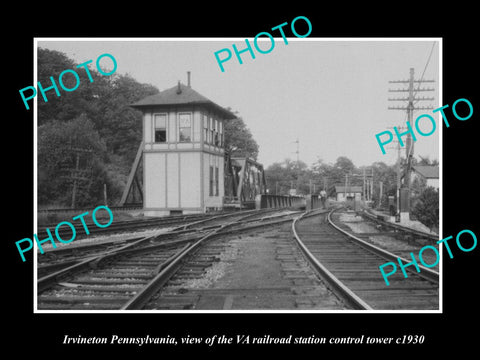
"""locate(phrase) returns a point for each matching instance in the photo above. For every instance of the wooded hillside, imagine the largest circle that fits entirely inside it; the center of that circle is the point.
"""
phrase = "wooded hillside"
(91, 135)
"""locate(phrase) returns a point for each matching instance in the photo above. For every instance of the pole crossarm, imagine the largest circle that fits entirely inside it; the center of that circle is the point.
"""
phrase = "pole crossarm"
(414, 99)
(408, 81)
(407, 108)
(408, 90)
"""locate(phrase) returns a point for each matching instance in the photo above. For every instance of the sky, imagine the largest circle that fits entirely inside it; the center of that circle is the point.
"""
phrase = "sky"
(330, 94)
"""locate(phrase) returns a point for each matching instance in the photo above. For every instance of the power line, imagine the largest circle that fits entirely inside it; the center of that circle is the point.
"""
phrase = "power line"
(425, 68)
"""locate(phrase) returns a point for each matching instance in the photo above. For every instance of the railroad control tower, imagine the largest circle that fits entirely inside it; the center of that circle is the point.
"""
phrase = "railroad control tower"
(183, 152)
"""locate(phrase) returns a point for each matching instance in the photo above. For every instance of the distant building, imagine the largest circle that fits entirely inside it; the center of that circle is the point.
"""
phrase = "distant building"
(429, 173)
(351, 192)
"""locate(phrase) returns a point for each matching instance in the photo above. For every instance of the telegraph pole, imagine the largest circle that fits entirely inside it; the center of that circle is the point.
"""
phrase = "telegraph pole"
(79, 177)
(398, 169)
(399, 176)
(298, 164)
(410, 107)
(364, 188)
(298, 150)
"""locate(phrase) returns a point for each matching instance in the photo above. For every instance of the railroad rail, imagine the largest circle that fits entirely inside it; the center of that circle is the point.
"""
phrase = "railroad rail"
(128, 225)
(127, 276)
(430, 236)
(55, 259)
(81, 210)
(157, 271)
(253, 267)
(350, 265)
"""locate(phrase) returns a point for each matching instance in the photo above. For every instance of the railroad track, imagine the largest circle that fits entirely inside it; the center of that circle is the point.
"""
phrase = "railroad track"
(128, 276)
(250, 267)
(350, 266)
(126, 225)
(430, 237)
(178, 270)
(61, 257)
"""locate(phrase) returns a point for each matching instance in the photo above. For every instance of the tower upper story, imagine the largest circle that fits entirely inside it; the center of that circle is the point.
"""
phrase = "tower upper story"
(181, 119)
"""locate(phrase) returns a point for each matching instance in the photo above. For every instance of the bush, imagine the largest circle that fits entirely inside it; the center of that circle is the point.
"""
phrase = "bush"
(426, 208)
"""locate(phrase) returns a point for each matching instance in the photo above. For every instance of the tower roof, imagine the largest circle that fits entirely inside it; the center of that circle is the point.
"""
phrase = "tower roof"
(181, 95)
(427, 171)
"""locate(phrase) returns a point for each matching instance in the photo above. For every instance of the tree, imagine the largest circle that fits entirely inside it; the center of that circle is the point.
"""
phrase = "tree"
(426, 208)
(344, 165)
(334, 174)
(281, 177)
(51, 63)
(324, 174)
(239, 140)
(388, 176)
(58, 146)
(98, 111)
(118, 123)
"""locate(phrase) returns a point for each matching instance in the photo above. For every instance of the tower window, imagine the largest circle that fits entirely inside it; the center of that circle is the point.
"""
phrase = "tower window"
(185, 127)
(212, 182)
(220, 133)
(161, 128)
(210, 136)
(215, 132)
(205, 129)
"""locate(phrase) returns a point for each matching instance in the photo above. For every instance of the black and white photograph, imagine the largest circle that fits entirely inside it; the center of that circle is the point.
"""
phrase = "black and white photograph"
(219, 182)
(277, 195)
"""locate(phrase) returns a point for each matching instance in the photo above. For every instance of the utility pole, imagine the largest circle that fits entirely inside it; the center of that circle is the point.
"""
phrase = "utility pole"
(298, 164)
(105, 194)
(298, 150)
(380, 184)
(410, 107)
(398, 168)
(364, 188)
(371, 187)
(399, 175)
(77, 175)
